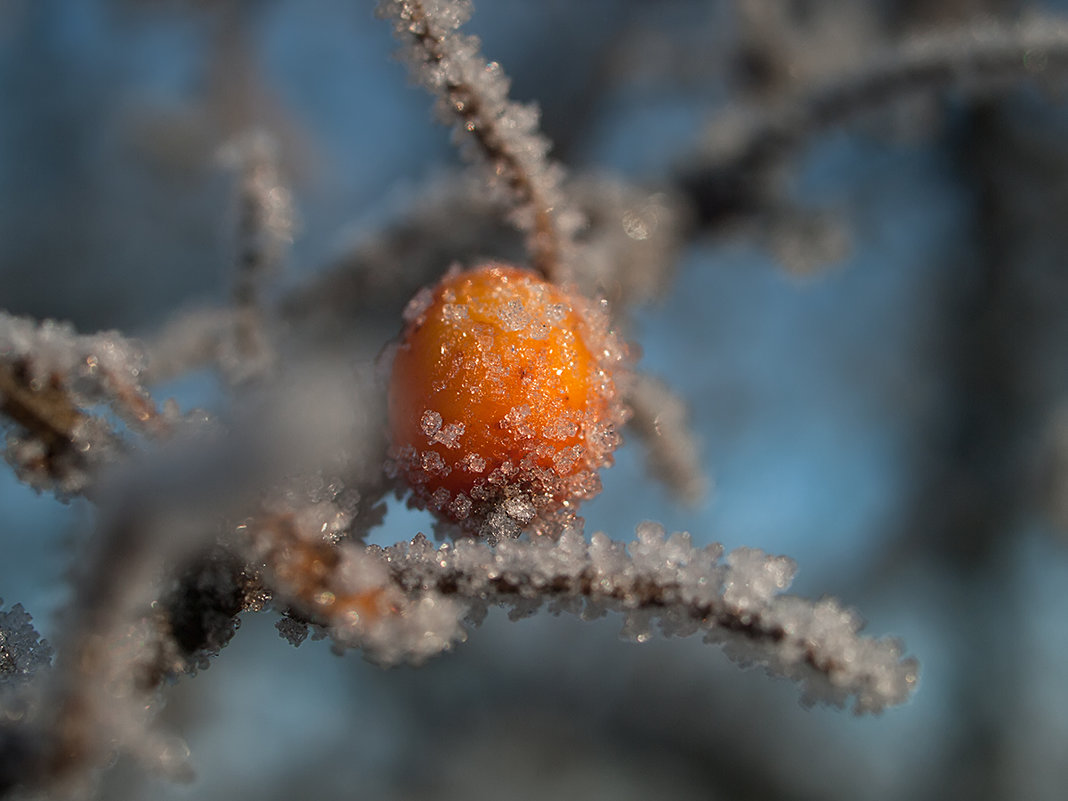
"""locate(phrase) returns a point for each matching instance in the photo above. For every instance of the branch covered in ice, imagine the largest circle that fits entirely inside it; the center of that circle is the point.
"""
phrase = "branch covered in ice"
(50, 379)
(630, 241)
(473, 94)
(406, 602)
(264, 232)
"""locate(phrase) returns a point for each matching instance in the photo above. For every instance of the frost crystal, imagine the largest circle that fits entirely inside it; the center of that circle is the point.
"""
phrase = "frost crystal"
(22, 650)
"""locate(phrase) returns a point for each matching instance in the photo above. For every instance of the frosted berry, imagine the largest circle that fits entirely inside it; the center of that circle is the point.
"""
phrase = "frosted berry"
(502, 398)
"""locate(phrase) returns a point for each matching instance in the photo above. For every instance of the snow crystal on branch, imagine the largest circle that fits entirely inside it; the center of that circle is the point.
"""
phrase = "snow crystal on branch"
(265, 213)
(264, 232)
(736, 601)
(408, 602)
(473, 94)
(49, 377)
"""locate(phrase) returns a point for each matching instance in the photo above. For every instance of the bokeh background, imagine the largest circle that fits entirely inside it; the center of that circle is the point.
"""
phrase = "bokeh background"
(895, 418)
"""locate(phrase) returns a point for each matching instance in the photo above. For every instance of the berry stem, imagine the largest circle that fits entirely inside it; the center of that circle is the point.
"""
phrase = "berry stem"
(473, 93)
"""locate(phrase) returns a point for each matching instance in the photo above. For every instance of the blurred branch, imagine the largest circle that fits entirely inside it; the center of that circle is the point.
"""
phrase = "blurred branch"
(734, 172)
(264, 232)
(660, 420)
(686, 589)
(629, 244)
(49, 378)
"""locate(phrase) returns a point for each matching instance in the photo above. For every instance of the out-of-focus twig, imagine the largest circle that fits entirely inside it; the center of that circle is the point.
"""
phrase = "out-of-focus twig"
(50, 381)
(264, 232)
(660, 420)
(734, 171)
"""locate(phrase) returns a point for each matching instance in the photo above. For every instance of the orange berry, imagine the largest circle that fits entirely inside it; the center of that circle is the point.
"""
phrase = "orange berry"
(502, 396)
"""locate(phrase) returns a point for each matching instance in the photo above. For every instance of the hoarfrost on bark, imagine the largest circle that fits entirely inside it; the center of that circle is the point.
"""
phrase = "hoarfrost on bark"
(736, 601)
(265, 226)
(488, 127)
(51, 382)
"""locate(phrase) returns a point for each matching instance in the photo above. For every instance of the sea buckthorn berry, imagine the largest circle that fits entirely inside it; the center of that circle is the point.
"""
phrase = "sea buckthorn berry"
(502, 399)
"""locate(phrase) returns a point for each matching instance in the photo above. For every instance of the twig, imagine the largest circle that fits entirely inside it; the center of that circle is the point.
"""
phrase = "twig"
(473, 94)
(264, 232)
(688, 590)
(49, 378)
(405, 603)
(659, 418)
(732, 171)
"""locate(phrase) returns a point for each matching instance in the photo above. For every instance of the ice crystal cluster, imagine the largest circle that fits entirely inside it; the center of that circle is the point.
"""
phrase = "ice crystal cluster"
(22, 651)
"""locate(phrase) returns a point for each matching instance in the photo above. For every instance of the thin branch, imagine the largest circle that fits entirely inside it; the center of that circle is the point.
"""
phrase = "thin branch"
(50, 378)
(364, 287)
(406, 602)
(687, 589)
(191, 339)
(264, 232)
(660, 419)
(629, 248)
(742, 150)
(237, 339)
(474, 95)
(127, 628)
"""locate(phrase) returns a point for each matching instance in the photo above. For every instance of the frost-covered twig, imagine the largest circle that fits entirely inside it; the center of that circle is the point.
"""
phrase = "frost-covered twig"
(659, 418)
(50, 379)
(191, 339)
(628, 249)
(237, 339)
(686, 589)
(406, 602)
(732, 171)
(128, 627)
(265, 221)
(349, 592)
(157, 594)
(103, 690)
(473, 93)
(374, 273)
(630, 241)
